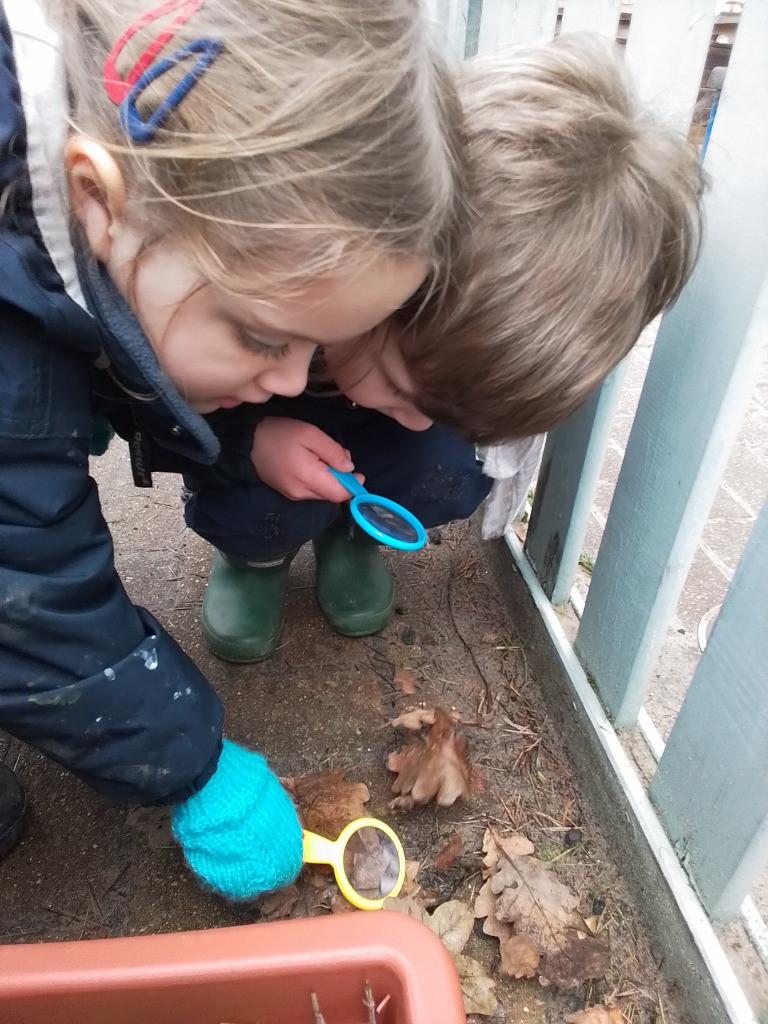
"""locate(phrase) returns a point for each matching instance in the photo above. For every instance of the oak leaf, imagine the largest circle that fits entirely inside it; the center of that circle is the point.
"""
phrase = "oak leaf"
(415, 719)
(433, 768)
(530, 896)
(519, 956)
(327, 802)
(533, 914)
(497, 847)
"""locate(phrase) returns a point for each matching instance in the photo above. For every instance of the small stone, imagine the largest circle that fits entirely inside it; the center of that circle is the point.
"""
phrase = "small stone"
(409, 637)
(435, 536)
(572, 838)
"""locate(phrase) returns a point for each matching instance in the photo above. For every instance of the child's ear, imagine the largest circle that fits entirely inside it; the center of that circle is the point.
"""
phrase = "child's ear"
(96, 191)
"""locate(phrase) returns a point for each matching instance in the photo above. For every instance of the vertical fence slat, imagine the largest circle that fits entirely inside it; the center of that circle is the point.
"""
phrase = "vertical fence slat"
(711, 785)
(575, 452)
(451, 17)
(516, 21)
(568, 478)
(666, 51)
(695, 395)
(601, 16)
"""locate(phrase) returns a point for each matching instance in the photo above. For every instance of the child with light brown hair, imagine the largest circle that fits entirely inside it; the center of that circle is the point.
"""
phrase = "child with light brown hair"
(584, 224)
(194, 196)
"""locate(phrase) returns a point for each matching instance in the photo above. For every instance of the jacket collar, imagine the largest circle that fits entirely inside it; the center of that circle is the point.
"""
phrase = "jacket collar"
(132, 357)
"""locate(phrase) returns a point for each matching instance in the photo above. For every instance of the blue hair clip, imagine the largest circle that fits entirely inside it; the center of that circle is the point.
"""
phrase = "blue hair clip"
(139, 130)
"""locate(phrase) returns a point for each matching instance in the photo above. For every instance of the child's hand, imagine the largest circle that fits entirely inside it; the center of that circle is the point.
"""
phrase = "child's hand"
(240, 834)
(293, 457)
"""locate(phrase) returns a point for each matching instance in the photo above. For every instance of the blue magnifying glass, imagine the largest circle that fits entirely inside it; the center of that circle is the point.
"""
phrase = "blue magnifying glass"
(385, 520)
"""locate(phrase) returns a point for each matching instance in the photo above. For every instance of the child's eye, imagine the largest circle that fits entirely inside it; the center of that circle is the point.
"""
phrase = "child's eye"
(395, 390)
(254, 344)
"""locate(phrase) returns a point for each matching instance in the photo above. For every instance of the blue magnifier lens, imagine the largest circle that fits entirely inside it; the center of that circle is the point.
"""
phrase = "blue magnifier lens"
(387, 521)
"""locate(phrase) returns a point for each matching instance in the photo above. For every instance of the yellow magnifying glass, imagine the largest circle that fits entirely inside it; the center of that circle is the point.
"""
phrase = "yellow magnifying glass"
(367, 860)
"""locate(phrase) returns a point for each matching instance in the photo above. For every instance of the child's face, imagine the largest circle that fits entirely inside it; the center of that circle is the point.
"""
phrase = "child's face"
(372, 372)
(220, 349)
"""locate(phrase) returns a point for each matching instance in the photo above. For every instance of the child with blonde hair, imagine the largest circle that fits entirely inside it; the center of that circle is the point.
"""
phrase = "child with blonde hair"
(193, 197)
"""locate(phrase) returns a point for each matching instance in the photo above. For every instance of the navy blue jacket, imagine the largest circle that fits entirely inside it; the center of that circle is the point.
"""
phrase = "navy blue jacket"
(85, 676)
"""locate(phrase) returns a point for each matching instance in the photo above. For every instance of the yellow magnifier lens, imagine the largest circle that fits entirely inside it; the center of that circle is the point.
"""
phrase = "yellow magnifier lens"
(367, 859)
(372, 863)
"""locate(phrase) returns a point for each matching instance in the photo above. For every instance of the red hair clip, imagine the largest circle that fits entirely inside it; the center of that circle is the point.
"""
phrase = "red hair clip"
(118, 88)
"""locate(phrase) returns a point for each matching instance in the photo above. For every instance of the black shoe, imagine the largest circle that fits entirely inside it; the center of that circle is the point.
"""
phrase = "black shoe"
(12, 806)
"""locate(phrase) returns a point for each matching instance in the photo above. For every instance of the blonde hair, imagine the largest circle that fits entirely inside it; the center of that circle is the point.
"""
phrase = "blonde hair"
(324, 128)
(585, 225)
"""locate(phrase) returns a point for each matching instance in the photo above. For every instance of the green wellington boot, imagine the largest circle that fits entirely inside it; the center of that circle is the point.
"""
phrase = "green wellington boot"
(354, 587)
(242, 611)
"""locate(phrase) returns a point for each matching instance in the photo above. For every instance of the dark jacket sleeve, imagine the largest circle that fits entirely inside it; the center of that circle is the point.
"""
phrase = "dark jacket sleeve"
(86, 677)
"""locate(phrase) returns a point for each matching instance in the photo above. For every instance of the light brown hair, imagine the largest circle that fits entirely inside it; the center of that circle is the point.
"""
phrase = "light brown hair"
(585, 224)
(324, 131)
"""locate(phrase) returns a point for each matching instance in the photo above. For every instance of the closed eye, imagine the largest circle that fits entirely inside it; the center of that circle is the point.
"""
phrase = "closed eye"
(395, 390)
(254, 344)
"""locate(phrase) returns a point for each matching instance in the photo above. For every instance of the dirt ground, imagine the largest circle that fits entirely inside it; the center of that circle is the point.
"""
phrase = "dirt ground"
(87, 870)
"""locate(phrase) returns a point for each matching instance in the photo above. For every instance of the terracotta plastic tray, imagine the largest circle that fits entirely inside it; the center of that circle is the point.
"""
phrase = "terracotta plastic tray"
(254, 974)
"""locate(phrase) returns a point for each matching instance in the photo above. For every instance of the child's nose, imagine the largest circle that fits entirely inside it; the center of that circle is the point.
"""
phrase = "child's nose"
(289, 377)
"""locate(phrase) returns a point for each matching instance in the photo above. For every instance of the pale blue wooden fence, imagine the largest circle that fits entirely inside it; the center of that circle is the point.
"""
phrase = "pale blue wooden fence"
(711, 787)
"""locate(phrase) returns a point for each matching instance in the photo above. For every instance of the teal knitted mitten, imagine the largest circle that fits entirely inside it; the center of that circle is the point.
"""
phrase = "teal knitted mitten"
(240, 833)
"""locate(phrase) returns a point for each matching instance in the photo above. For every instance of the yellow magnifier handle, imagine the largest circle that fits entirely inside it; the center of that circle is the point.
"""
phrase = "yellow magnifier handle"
(319, 850)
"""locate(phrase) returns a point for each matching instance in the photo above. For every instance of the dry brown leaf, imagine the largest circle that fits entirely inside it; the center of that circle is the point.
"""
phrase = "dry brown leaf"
(404, 680)
(533, 914)
(339, 905)
(414, 720)
(597, 1015)
(519, 956)
(452, 922)
(447, 856)
(485, 904)
(411, 885)
(279, 904)
(328, 802)
(530, 896)
(577, 960)
(477, 988)
(519, 953)
(435, 768)
(496, 847)
(407, 905)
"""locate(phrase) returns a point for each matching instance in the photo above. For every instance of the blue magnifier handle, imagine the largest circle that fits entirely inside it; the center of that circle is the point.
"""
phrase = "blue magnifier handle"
(347, 480)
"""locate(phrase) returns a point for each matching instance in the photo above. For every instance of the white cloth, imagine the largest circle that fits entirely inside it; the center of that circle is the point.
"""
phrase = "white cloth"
(43, 97)
(512, 466)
